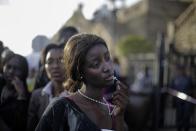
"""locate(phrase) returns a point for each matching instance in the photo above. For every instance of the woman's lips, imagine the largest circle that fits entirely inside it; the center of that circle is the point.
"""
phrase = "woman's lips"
(56, 74)
(109, 78)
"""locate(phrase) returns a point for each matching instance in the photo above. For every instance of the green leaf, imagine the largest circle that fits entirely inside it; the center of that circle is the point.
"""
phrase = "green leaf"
(134, 45)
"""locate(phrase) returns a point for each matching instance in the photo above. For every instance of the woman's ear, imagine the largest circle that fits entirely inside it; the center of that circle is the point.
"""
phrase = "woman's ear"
(81, 76)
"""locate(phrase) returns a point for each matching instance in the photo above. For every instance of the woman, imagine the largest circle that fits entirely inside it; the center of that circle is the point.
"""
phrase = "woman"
(14, 96)
(88, 64)
(54, 67)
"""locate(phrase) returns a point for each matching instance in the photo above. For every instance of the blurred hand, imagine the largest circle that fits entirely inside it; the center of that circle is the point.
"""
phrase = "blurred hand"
(20, 89)
(120, 99)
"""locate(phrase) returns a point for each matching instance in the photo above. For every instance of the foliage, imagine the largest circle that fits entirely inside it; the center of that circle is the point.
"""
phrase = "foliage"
(134, 45)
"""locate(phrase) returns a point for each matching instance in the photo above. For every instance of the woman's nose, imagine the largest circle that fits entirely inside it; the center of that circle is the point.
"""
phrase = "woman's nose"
(106, 67)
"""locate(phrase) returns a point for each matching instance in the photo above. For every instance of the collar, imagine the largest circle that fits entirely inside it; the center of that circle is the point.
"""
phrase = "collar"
(47, 90)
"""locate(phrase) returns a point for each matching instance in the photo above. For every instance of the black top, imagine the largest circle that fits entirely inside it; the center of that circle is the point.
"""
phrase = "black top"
(64, 115)
(13, 111)
(38, 103)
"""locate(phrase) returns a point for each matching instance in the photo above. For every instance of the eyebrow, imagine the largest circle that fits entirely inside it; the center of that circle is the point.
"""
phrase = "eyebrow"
(94, 58)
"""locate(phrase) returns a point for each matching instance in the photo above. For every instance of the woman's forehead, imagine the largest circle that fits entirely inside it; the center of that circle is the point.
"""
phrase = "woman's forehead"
(96, 51)
(54, 52)
(14, 60)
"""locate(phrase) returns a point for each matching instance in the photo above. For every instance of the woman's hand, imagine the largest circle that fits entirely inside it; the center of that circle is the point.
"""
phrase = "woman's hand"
(20, 89)
(120, 99)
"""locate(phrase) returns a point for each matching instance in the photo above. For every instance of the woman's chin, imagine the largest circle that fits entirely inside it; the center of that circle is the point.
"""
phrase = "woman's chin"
(58, 79)
(110, 83)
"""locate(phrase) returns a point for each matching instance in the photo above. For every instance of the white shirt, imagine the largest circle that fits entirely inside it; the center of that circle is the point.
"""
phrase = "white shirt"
(48, 90)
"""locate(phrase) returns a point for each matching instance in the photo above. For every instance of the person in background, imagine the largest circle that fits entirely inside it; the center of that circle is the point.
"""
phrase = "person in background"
(143, 82)
(64, 34)
(14, 96)
(38, 44)
(141, 100)
(41, 79)
(117, 67)
(5, 53)
(183, 83)
(54, 67)
(1, 50)
(89, 71)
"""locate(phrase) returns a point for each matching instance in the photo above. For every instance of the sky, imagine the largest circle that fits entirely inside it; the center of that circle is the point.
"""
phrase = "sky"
(22, 20)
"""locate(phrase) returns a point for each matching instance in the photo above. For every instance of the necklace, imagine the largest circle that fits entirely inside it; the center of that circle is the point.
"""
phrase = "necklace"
(102, 103)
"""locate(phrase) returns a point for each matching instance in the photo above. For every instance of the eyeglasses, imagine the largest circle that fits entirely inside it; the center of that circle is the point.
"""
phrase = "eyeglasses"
(55, 61)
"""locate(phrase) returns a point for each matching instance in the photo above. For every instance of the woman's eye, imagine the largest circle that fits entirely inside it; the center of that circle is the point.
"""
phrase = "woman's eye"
(49, 62)
(95, 65)
(107, 57)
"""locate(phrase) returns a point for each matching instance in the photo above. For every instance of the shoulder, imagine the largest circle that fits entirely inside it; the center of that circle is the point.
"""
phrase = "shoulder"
(54, 116)
(57, 109)
(61, 105)
(37, 92)
(38, 95)
(58, 104)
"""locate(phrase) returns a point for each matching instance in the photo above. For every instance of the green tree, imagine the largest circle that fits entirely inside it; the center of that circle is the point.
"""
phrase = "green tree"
(134, 45)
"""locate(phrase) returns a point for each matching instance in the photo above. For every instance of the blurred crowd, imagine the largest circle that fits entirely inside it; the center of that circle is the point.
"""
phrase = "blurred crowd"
(29, 84)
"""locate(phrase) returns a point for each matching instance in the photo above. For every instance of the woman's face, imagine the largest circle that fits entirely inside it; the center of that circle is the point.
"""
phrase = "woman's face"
(12, 68)
(55, 65)
(98, 67)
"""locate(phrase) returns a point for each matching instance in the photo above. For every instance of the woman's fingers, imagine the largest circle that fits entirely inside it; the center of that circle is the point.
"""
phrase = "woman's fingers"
(18, 85)
(120, 98)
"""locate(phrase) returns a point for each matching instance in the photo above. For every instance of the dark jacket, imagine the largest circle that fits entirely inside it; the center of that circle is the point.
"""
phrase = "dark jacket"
(39, 101)
(37, 105)
(13, 111)
(64, 115)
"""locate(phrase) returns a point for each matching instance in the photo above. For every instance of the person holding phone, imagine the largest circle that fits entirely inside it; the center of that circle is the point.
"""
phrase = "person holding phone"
(14, 96)
(89, 71)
